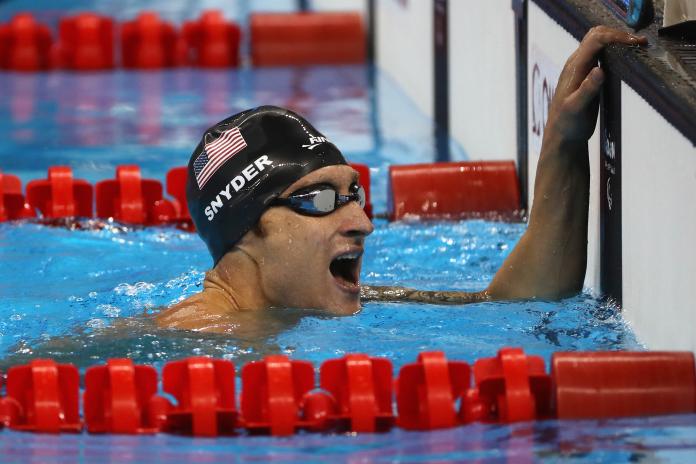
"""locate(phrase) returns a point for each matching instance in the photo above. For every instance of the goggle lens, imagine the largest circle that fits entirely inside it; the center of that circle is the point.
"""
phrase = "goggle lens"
(320, 201)
(324, 201)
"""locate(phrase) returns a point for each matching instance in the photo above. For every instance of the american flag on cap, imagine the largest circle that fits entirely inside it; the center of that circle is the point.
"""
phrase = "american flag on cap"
(216, 153)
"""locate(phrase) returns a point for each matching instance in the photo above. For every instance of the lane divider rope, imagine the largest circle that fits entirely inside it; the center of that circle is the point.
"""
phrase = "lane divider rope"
(427, 191)
(90, 41)
(355, 393)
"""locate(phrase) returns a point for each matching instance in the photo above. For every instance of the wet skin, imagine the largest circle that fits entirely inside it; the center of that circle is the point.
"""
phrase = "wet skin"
(287, 260)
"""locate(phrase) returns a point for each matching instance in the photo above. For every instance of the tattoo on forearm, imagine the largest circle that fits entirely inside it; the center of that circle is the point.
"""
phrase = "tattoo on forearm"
(374, 293)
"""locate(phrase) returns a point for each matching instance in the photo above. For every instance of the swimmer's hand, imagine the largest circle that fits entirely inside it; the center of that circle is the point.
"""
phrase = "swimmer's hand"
(550, 259)
(573, 110)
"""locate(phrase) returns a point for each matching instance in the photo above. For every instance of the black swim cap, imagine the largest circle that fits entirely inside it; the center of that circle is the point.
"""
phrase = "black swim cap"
(243, 163)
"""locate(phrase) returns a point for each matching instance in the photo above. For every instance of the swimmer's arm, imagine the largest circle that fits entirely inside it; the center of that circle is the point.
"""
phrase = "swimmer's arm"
(550, 259)
(410, 295)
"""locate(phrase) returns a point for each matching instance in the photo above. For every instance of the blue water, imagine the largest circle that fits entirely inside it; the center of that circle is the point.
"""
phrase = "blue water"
(68, 294)
(83, 296)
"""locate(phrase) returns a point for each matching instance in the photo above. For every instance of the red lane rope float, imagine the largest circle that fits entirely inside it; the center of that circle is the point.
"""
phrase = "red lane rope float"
(279, 39)
(212, 42)
(60, 195)
(362, 388)
(426, 392)
(204, 390)
(147, 42)
(457, 189)
(133, 200)
(42, 397)
(621, 384)
(120, 397)
(12, 204)
(85, 43)
(511, 387)
(25, 45)
(279, 396)
(274, 389)
(176, 188)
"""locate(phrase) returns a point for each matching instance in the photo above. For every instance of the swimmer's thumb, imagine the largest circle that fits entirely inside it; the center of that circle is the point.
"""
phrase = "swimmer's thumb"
(588, 90)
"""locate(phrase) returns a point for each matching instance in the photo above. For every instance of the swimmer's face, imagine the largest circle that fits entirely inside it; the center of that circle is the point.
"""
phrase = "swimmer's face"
(309, 261)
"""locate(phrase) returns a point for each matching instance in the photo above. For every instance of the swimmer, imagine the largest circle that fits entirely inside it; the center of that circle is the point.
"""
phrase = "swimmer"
(281, 212)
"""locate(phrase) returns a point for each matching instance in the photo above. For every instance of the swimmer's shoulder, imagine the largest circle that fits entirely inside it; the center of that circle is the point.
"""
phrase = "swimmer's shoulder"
(411, 295)
(211, 310)
(195, 312)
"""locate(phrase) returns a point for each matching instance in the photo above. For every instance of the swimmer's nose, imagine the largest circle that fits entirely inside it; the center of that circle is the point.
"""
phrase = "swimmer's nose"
(357, 223)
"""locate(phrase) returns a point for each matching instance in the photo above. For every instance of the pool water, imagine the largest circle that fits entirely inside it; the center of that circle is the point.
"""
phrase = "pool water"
(83, 296)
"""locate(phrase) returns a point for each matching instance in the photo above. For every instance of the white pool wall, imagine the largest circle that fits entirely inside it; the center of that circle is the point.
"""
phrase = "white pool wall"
(481, 67)
(404, 48)
(481, 78)
(658, 188)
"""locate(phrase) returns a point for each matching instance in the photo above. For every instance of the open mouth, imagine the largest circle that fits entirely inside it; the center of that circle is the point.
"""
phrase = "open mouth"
(345, 269)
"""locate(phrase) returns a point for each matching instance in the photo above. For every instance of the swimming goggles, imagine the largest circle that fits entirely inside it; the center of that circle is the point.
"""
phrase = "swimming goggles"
(320, 200)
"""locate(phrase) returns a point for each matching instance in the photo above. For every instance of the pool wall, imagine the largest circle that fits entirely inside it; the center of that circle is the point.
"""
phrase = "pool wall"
(487, 102)
(641, 224)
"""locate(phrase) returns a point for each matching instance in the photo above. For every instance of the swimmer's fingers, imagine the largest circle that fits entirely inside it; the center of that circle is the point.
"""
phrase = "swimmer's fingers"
(586, 92)
(574, 116)
(599, 37)
(585, 57)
